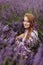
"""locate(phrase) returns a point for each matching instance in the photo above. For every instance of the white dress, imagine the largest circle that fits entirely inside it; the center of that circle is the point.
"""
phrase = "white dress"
(24, 51)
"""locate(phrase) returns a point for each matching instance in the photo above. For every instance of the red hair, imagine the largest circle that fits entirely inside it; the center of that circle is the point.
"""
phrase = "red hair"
(31, 19)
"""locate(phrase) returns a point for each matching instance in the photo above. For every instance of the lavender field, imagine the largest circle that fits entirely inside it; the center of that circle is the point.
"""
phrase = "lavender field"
(11, 18)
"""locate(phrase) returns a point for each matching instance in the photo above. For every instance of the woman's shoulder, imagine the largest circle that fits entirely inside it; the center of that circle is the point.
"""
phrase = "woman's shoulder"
(34, 33)
(33, 38)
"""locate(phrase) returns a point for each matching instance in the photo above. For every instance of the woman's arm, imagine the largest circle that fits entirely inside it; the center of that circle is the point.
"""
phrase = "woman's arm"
(20, 36)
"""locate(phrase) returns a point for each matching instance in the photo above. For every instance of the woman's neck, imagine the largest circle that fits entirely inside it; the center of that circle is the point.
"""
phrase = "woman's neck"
(28, 32)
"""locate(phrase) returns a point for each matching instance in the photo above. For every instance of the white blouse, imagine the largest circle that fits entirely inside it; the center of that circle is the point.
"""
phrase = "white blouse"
(28, 44)
(33, 36)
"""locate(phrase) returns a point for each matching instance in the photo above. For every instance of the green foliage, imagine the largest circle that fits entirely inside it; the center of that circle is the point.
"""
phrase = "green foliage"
(4, 44)
(5, 61)
(9, 14)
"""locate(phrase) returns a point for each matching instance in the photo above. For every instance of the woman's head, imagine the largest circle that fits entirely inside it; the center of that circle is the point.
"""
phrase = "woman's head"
(28, 20)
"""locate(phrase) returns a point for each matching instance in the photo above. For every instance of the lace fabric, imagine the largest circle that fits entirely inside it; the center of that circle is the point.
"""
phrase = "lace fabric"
(29, 43)
(24, 49)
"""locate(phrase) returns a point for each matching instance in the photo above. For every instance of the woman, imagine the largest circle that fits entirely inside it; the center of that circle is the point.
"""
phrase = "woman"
(27, 43)
(28, 25)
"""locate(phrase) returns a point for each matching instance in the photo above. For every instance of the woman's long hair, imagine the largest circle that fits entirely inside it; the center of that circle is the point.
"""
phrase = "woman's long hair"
(31, 20)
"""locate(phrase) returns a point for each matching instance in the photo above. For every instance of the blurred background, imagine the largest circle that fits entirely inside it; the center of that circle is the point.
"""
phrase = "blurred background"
(11, 17)
(13, 11)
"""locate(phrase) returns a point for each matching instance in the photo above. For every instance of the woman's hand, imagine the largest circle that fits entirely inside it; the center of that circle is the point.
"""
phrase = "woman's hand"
(17, 38)
(20, 37)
